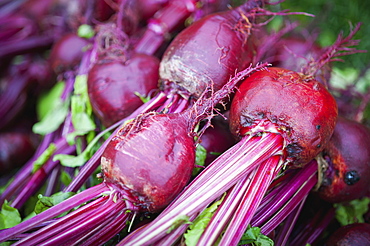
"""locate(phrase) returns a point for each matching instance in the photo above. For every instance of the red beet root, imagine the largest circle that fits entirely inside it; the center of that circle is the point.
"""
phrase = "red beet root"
(194, 64)
(112, 84)
(348, 160)
(67, 52)
(357, 234)
(157, 170)
(300, 107)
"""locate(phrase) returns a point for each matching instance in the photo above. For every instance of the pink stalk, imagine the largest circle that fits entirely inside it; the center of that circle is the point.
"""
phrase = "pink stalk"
(287, 227)
(164, 22)
(52, 212)
(260, 180)
(290, 189)
(289, 207)
(37, 179)
(225, 211)
(218, 177)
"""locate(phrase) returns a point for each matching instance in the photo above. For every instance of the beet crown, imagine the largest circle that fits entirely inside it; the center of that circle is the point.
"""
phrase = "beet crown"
(301, 109)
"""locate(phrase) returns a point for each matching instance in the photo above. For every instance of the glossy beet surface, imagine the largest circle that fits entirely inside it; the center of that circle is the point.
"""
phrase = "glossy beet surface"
(152, 157)
(209, 51)
(112, 85)
(348, 158)
(299, 106)
(357, 234)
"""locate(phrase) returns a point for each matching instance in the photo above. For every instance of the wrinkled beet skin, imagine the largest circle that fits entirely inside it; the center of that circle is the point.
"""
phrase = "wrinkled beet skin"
(67, 52)
(157, 171)
(194, 64)
(357, 234)
(348, 151)
(294, 102)
(112, 84)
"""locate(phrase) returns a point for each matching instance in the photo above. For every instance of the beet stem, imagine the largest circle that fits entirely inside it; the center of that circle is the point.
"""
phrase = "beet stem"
(56, 210)
(296, 183)
(260, 181)
(224, 212)
(214, 180)
(287, 228)
(289, 206)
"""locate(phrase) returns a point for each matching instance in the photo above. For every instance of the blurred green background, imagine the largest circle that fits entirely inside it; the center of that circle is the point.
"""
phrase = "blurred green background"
(332, 17)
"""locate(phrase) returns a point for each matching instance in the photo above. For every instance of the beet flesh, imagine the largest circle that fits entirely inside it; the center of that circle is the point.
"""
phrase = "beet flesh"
(112, 85)
(154, 172)
(300, 107)
(348, 158)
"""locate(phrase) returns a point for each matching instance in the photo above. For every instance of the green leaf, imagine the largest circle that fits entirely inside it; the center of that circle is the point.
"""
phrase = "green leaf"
(198, 226)
(71, 160)
(9, 216)
(45, 202)
(44, 157)
(81, 110)
(183, 219)
(65, 178)
(352, 212)
(6, 243)
(53, 119)
(200, 157)
(48, 101)
(85, 31)
(254, 237)
(79, 160)
(143, 98)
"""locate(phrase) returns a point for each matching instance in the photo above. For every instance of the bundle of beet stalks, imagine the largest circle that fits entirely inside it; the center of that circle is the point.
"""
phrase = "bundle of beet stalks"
(183, 122)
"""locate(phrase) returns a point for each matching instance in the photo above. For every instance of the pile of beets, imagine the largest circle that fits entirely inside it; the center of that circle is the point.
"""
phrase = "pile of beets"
(182, 122)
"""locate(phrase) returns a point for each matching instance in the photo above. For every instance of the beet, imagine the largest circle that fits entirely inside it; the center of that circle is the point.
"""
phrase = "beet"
(157, 170)
(348, 159)
(112, 84)
(357, 234)
(306, 122)
(15, 149)
(67, 52)
(194, 64)
(172, 97)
